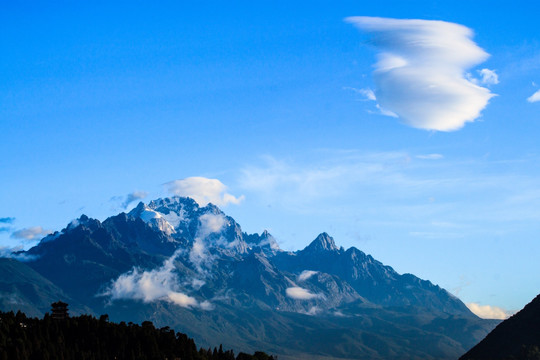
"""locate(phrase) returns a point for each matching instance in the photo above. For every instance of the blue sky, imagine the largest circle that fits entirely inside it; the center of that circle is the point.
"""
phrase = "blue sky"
(284, 103)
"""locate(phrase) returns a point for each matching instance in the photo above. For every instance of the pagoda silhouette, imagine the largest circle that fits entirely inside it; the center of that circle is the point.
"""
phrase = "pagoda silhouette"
(59, 310)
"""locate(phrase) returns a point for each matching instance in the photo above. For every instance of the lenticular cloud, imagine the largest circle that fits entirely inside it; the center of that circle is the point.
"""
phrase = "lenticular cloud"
(421, 73)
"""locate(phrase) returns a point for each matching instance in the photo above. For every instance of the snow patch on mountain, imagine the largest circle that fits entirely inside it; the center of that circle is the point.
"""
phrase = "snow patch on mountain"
(153, 218)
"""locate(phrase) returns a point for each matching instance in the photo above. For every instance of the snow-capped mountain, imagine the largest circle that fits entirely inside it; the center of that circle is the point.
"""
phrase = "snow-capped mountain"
(189, 266)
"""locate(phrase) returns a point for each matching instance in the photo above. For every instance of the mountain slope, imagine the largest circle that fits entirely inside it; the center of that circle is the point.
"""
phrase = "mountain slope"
(515, 338)
(190, 267)
(22, 288)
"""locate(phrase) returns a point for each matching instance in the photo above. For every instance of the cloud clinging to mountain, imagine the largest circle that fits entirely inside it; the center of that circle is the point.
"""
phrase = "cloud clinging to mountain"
(421, 73)
(488, 311)
(208, 224)
(153, 285)
(306, 274)
(299, 293)
(203, 191)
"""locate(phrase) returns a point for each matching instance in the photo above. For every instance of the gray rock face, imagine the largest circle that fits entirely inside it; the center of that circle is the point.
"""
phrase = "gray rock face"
(179, 264)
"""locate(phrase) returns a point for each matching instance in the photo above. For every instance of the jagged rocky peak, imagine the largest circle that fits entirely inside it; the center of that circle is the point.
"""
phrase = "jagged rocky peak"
(176, 204)
(268, 241)
(323, 242)
(83, 220)
(153, 218)
(264, 243)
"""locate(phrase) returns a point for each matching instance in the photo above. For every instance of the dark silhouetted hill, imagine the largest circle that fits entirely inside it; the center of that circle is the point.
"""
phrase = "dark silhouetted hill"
(514, 339)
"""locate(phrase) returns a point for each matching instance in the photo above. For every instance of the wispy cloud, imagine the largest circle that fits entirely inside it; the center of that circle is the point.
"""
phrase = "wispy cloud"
(430, 157)
(14, 253)
(5, 224)
(488, 77)
(534, 97)
(405, 187)
(314, 310)
(420, 73)
(161, 284)
(31, 233)
(488, 311)
(299, 293)
(134, 196)
(124, 201)
(203, 191)
(367, 94)
(306, 274)
(199, 254)
(331, 176)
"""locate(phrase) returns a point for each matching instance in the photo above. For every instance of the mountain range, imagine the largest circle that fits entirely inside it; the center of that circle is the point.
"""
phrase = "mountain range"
(192, 268)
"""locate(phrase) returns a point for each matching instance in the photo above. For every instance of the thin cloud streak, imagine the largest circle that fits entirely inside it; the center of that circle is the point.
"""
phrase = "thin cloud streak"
(420, 73)
(404, 187)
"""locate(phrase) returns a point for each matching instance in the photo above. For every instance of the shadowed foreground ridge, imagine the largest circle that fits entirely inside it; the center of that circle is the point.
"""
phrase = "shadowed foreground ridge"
(85, 337)
(515, 338)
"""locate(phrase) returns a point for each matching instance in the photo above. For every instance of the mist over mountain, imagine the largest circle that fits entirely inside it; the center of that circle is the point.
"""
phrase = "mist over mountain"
(192, 268)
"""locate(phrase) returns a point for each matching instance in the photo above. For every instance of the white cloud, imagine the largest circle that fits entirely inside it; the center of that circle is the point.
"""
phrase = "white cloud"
(534, 97)
(211, 223)
(31, 233)
(294, 183)
(203, 191)
(7, 252)
(299, 293)
(386, 112)
(181, 299)
(488, 311)
(406, 189)
(420, 74)
(306, 274)
(208, 224)
(136, 195)
(488, 77)
(430, 157)
(153, 285)
(196, 284)
(368, 94)
(314, 310)
(207, 305)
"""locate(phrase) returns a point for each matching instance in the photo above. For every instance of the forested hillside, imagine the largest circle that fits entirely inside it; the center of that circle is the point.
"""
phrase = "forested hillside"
(85, 338)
